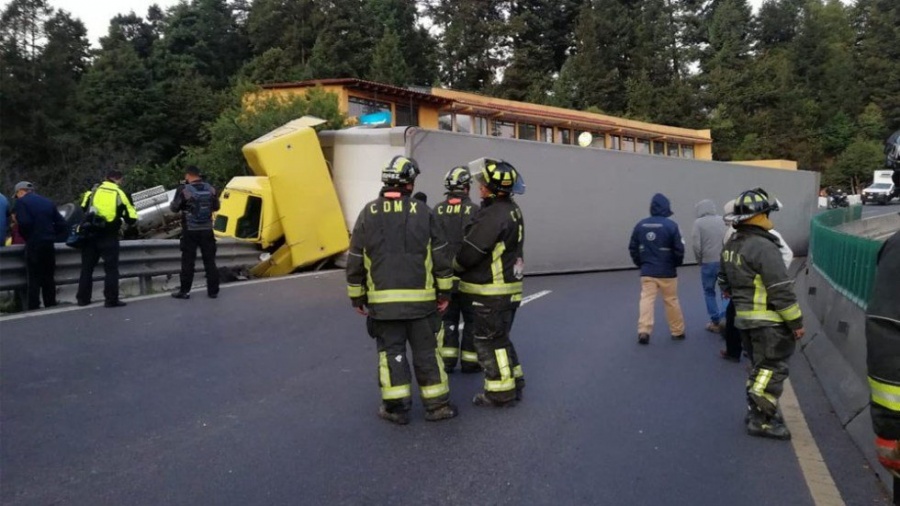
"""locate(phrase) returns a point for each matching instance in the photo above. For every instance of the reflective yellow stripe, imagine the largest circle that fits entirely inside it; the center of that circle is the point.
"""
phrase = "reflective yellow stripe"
(429, 265)
(762, 381)
(493, 289)
(760, 296)
(449, 352)
(388, 391)
(445, 283)
(387, 296)
(442, 388)
(506, 381)
(516, 298)
(769, 316)
(790, 313)
(497, 263)
(367, 263)
(885, 395)
(355, 291)
(517, 372)
(432, 391)
(470, 356)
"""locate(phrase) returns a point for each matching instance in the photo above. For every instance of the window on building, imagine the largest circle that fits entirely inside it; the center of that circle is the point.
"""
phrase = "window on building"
(563, 136)
(643, 146)
(687, 151)
(673, 148)
(479, 125)
(615, 142)
(546, 134)
(463, 123)
(504, 129)
(361, 106)
(527, 132)
(659, 148)
(407, 115)
(445, 121)
(628, 144)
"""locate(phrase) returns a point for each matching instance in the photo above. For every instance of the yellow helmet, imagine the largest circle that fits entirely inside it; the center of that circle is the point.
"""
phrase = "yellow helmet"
(400, 171)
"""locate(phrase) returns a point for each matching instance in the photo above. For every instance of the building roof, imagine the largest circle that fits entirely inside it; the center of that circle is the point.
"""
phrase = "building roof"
(362, 84)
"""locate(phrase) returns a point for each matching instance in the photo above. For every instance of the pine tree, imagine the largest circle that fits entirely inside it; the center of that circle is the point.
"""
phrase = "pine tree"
(878, 56)
(388, 63)
(472, 32)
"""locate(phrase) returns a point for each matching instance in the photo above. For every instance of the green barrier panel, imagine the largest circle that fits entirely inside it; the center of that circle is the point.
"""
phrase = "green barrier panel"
(847, 261)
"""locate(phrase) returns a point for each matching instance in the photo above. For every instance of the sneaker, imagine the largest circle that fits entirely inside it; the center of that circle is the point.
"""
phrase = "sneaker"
(484, 401)
(443, 413)
(181, 295)
(115, 303)
(643, 338)
(397, 418)
(714, 328)
(679, 337)
(768, 428)
(726, 356)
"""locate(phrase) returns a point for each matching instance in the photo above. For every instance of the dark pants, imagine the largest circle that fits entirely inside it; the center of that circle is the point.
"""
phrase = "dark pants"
(503, 373)
(105, 246)
(731, 333)
(40, 265)
(206, 241)
(452, 348)
(771, 349)
(394, 377)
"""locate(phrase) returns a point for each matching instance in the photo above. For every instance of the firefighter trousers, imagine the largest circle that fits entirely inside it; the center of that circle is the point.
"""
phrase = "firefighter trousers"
(503, 374)
(770, 349)
(422, 334)
(453, 350)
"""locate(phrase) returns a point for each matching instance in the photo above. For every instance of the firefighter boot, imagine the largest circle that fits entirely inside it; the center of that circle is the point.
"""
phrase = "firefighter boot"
(399, 418)
(444, 412)
(760, 425)
(484, 401)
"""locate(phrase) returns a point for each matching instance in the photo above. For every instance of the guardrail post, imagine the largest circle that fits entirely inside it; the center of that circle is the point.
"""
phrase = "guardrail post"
(145, 284)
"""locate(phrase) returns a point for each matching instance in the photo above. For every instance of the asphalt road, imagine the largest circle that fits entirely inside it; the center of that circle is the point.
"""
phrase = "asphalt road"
(872, 210)
(267, 396)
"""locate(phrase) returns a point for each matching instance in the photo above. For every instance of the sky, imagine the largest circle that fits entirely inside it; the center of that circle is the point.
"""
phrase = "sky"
(96, 13)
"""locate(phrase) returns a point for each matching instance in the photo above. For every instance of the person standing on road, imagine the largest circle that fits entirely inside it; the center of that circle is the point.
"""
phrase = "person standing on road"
(109, 203)
(766, 309)
(707, 238)
(657, 248)
(453, 216)
(196, 200)
(883, 359)
(399, 276)
(39, 223)
(491, 267)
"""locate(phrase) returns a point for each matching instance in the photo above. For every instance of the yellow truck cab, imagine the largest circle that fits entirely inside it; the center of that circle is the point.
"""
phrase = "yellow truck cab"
(290, 207)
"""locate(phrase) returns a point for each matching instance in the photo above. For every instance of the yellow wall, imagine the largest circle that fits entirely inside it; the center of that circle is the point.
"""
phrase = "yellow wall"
(703, 151)
(770, 164)
(428, 116)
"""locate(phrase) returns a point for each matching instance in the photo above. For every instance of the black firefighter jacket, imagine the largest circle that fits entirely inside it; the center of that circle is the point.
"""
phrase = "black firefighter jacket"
(453, 216)
(398, 260)
(490, 262)
(883, 337)
(753, 272)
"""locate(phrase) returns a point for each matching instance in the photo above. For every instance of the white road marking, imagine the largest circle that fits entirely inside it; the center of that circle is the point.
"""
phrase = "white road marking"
(818, 479)
(535, 296)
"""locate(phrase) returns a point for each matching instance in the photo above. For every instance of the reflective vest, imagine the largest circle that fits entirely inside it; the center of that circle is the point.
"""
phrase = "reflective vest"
(107, 200)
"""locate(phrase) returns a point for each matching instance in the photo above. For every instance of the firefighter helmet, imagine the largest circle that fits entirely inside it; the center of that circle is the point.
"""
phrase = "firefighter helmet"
(753, 202)
(458, 179)
(400, 171)
(499, 176)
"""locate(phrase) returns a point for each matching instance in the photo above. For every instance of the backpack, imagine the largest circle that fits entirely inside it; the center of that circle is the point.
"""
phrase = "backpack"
(200, 205)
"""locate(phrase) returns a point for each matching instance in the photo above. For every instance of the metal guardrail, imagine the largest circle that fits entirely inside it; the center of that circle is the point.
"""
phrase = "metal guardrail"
(137, 259)
(847, 261)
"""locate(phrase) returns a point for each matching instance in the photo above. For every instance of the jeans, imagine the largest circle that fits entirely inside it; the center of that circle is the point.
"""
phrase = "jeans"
(708, 274)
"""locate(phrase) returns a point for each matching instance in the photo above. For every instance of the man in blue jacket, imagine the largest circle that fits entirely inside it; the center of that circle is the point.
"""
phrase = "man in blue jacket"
(657, 248)
(39, 223)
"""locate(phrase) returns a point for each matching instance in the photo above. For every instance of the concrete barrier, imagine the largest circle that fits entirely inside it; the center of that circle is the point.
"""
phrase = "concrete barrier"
(878, 228)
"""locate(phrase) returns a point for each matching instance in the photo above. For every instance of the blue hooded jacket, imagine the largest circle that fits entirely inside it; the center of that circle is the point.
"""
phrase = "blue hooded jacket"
(656, 244)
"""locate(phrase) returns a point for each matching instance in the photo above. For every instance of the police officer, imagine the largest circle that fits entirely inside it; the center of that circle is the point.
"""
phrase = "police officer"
(110, 204)
(399, 275)
(197, 201)
(491, 268)
(39, 223)
(766, 309)
(453, 215)
(883, 337)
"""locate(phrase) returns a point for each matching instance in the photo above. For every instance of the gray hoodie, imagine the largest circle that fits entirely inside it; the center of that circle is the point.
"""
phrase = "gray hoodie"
(708, 233)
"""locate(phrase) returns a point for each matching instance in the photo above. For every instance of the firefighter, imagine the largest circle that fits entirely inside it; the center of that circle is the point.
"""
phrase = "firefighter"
(399, 276)
(110, 204)
(453, 215)
(767, 314)
(491, 267)
(883, 343)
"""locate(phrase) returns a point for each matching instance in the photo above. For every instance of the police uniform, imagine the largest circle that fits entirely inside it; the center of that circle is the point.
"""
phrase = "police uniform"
(491, 268)
(111, 204)
(397, 265)
(453, 216)
(766, 310)
(883, 343)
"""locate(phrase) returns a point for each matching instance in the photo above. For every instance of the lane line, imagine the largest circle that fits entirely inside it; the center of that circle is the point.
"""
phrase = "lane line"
(99, 303)
(815, 472)
(536, 296)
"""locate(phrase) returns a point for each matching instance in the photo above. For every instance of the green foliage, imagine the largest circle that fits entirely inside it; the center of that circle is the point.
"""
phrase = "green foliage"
(250, 116)
(388, 63)
(853, 169)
